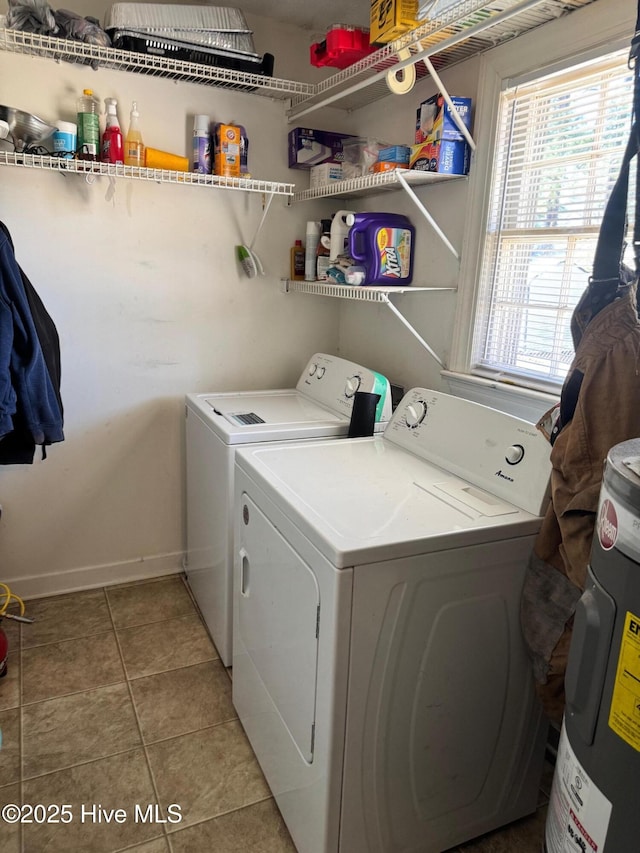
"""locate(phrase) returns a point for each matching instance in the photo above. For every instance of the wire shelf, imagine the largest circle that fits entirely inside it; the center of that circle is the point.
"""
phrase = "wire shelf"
(370, 293)
(465, 29)
(161, 176)
(70, 50)
(369, 184)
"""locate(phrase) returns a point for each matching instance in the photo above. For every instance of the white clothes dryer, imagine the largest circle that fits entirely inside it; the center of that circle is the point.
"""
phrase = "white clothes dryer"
(216, 424)
(378, 666)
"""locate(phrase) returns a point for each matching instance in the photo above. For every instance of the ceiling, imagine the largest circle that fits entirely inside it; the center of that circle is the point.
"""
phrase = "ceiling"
(309, 15)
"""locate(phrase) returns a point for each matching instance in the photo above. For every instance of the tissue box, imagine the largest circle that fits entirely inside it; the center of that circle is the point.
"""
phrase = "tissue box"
(308, 147)
(392, 18)
(325, 173)
(434, 122)
(448, 157)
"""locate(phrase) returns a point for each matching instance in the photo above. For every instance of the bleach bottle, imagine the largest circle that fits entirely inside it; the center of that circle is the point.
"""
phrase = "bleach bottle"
(383, 245)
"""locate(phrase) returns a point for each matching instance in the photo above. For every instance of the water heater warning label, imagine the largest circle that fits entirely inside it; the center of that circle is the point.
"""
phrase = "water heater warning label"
(624, 715)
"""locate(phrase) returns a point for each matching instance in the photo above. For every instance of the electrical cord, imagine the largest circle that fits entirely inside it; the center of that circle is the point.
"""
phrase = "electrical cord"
(8, 597)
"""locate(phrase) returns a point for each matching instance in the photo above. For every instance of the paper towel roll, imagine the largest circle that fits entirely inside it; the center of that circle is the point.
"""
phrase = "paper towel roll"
(401, 87)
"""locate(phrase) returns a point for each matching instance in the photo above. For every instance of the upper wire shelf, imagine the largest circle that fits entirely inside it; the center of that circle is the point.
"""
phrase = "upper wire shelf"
(465, 29)
(162, 176)
(71, 50)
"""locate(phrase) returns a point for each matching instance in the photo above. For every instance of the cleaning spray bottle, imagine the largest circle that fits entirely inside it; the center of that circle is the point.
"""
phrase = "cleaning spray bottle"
(133, 145)
(112, 148)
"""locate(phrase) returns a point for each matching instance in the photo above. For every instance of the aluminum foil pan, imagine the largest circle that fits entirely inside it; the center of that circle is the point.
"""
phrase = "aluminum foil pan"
(158, 16)
(163, 46)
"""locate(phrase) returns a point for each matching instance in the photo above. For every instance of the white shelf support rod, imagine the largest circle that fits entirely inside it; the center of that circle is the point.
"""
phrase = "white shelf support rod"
(264, 216)
(427, 215)
(403, 320)
(464, 130)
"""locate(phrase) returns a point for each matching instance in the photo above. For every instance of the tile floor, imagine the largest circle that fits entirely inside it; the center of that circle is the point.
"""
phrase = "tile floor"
(116, 699)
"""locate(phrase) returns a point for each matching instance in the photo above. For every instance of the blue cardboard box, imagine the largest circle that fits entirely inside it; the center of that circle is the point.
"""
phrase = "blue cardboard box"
(448, 157)
(434, 121)
(309, 147)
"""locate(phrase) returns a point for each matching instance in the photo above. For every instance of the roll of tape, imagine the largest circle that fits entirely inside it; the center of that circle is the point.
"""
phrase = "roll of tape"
(401, 87)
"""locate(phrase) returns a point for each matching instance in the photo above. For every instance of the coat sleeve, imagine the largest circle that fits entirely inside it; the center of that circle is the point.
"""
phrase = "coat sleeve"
(7, 391)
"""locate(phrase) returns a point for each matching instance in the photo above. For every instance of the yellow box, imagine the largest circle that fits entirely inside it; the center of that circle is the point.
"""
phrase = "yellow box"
(226, 150)
(392, 18)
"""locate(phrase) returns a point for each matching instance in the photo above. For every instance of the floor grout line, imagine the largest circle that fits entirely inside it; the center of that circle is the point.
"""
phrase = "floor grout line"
(154, 784)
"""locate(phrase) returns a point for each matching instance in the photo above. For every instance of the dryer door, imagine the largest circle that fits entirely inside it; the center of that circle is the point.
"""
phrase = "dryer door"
(278, 612)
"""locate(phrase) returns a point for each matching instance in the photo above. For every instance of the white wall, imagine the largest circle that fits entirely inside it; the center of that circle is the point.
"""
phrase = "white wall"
(149, 303)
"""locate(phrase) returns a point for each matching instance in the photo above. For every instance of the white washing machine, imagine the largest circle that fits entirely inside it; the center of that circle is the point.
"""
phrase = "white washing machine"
(378, 665)
(216, 424)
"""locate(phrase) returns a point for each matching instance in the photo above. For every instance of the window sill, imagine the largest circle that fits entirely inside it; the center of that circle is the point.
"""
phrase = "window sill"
(521, 402)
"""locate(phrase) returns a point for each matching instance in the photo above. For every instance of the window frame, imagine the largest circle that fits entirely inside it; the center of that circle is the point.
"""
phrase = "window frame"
(594, 31)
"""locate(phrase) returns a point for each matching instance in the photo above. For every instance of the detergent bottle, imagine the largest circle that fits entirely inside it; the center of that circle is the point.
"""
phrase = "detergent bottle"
(383, 245)
(339, 234)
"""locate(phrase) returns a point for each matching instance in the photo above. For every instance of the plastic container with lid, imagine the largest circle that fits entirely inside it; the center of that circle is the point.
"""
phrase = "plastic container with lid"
(88, 145)
(382, 243)
(65, 139)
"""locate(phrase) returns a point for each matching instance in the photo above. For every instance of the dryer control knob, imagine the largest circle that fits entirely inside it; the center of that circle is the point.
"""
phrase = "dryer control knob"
(353, 384)
(415, 413)
(312, 369)
(321, 372)
(515, 454)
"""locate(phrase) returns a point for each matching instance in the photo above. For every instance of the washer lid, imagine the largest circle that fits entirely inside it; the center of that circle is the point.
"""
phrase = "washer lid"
(367, 500)
(254, 416)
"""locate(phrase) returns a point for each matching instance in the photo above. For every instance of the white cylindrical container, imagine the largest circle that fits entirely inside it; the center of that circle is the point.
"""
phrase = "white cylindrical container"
(311, 250)
(65, 138)
(201, 145)
(339, 233)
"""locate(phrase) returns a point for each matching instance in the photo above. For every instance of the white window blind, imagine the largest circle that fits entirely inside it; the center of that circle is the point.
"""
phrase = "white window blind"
(559, 147)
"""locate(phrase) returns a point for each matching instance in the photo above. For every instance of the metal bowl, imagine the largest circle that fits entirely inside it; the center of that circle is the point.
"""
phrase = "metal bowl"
(25, 129)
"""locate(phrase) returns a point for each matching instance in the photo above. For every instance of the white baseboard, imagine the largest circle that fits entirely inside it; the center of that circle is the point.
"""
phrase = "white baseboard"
(90, 577)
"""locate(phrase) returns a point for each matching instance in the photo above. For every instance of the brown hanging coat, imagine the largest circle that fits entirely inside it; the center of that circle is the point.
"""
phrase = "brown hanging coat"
(605, 376)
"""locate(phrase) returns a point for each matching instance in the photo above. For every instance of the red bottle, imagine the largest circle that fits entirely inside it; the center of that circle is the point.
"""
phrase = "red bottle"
(112, 150)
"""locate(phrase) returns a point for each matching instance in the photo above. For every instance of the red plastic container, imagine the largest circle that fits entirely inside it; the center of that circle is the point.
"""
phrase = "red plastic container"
(343, 46)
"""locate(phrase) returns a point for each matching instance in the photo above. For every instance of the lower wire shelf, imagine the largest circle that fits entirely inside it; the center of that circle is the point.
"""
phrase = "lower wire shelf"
(368, 293)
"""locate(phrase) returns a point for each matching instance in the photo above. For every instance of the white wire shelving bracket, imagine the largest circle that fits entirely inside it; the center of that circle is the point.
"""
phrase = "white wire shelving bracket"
(71, 50)
(161, 176)
(379, 295)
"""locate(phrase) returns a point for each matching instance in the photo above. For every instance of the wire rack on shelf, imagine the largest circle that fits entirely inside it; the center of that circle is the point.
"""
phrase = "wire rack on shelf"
(374, 183)
(162, 176)
(71, 50)
(370, 293)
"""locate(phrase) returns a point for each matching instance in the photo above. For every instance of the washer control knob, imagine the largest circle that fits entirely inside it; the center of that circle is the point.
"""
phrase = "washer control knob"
(312, 368)
(353, 384)
(321, 372)
(514, 454)
(415, 413)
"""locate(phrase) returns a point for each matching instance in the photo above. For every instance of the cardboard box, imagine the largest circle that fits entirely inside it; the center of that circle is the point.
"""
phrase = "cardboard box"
(392, 18)
(448, 157)
(324, 174)
(309, 147)
(226, 151)
(395, 154)
(434, 121)
(387, 166)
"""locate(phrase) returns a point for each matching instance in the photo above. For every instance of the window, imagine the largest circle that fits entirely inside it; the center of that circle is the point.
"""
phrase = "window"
(559, 147)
